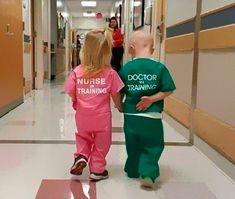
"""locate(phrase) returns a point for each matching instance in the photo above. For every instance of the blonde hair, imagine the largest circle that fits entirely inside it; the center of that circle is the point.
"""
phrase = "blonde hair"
(96, 52)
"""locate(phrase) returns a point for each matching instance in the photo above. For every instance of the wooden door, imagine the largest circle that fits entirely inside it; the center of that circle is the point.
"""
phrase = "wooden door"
(11, 53)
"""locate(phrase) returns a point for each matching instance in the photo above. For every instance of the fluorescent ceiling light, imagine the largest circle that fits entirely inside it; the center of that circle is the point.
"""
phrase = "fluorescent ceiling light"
(86, 14)
(137, 3)
(88, 3)
(59, 4)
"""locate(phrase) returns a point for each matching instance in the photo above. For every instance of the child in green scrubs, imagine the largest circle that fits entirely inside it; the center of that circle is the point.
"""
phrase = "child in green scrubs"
(147, 83)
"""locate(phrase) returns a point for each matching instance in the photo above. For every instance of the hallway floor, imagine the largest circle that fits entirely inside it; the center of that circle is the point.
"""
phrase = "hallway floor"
(36, 153)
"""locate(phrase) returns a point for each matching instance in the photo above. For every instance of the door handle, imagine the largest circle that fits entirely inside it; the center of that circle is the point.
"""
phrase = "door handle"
(160, 28)
(8, 31)
(159, 31)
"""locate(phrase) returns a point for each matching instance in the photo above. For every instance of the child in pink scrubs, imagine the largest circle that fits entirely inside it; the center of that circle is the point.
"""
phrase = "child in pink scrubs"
(91, 85)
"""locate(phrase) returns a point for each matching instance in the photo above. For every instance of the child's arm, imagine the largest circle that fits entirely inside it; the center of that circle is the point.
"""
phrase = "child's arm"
(117, 99)
(117, 86)
(70, 88)
(73, 98)
(167, 86)
(74, 103)
(146, 101)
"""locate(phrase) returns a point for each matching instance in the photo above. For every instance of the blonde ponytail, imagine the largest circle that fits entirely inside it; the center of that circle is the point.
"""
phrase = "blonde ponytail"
(96, 53)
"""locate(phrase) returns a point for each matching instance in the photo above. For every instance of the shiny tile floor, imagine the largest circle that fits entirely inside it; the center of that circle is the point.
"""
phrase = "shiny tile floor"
(36, 152)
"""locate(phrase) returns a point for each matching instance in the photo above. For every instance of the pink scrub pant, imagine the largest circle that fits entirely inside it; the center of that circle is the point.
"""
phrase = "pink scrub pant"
(93, 139)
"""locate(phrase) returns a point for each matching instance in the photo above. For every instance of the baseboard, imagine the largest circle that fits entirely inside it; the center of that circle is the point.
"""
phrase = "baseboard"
(220, 161)
(5, 109)
(176, 125)
(224, 164)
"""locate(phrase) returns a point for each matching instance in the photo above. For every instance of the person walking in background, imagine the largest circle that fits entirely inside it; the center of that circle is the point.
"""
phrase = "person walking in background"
(117, 50)
(147, 83)
(78, 48)
(90, 85)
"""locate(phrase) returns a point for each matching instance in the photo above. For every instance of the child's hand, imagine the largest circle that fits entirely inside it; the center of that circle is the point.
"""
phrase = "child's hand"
(119, 108)
(74, 105)
(144, 103)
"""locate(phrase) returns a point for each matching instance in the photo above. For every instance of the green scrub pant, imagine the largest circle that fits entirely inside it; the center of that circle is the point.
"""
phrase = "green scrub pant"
(144, 145)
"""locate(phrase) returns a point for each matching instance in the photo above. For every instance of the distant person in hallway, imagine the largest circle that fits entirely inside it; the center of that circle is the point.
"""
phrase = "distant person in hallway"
(117, 50)
(91, 85)
(78, 48)
(147, 83)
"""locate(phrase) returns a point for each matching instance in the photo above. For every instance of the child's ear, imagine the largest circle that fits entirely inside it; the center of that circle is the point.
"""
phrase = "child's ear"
(131, 49)
(152, 50)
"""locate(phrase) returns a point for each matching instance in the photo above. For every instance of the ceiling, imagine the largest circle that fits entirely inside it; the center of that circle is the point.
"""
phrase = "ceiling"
(103, 6)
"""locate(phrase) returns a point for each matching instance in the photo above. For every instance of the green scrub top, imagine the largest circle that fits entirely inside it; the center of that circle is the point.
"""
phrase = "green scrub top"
(144, 77)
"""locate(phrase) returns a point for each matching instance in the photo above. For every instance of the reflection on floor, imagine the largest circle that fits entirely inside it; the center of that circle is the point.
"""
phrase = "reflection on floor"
(66, 189)
(36, 152)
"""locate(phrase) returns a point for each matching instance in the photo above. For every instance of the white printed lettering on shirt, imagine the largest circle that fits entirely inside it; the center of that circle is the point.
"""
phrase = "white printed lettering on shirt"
(141, 77)
(92, 90)
(141, 87)
(92, 81)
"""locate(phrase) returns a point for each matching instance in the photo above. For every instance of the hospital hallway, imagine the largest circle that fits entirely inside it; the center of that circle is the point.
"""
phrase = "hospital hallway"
(180, 50)
(37, 146)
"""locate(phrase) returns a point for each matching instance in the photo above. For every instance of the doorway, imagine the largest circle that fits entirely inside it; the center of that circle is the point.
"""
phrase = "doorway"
(158, 28)
(33, 33)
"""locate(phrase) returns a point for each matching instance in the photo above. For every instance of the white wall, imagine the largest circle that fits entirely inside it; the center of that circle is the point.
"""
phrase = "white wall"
(88, 23)
(114, 8)
(180, 10)
(39, 45)
(208, 5)
(148, 3)
(26, 17)
(216, 89)
(66, 58)
(45, 18)
(27, 66)
(46, 36)
(27, 31)
(181, 68)
(53, 23)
